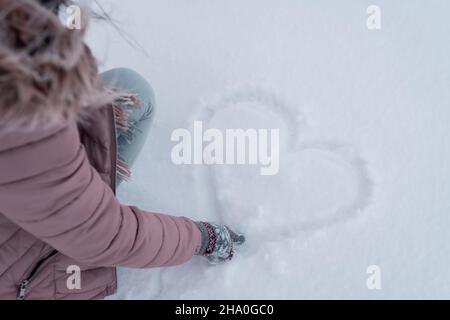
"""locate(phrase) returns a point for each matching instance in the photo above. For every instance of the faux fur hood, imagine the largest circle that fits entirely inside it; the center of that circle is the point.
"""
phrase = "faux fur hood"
(47, 72)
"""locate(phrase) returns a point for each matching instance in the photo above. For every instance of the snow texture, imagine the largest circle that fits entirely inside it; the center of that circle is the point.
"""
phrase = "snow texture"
(363, 118)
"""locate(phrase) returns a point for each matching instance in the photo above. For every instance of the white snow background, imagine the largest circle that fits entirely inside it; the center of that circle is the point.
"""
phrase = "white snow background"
(365, 156)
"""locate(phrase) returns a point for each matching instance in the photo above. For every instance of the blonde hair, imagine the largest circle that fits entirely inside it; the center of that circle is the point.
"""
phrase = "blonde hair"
(47, 73)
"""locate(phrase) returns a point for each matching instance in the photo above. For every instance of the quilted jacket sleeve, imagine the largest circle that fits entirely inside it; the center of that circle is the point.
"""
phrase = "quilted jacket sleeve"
(49, 188)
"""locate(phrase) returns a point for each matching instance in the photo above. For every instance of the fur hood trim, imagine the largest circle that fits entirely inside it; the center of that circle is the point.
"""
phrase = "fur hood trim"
(47, 72)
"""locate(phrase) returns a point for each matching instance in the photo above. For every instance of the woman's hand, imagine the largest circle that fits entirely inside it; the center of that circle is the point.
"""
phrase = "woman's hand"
(218, 242)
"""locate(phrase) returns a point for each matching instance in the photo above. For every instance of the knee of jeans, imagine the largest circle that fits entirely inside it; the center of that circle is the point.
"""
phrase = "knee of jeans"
(131, 81)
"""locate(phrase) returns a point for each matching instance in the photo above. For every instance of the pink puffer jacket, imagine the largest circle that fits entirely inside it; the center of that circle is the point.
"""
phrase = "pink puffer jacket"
(57, 178)
(58, 208)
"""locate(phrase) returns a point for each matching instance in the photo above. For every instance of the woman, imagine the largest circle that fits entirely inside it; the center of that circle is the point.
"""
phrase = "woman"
(67, 138)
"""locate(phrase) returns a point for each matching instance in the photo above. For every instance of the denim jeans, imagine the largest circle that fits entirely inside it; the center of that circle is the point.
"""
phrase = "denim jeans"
(130, 143)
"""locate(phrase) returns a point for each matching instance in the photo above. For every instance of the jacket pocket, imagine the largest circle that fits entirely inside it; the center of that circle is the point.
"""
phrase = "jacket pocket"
(28, 281)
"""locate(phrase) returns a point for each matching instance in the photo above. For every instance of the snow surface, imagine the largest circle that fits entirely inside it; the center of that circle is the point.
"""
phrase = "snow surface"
(364, 169)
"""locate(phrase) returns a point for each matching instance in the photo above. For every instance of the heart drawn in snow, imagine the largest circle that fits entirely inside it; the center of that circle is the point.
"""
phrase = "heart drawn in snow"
(318, 183)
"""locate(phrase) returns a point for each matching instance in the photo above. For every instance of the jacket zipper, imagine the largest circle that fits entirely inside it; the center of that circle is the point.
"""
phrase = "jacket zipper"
(114, 151)
(114, 164)
(25, 282)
